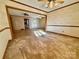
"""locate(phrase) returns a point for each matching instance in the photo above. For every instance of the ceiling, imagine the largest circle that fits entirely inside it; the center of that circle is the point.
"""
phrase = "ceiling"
(21, 13)
(40, 5)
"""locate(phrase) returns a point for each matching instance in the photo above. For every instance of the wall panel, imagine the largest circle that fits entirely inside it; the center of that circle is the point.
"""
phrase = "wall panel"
(66, 16)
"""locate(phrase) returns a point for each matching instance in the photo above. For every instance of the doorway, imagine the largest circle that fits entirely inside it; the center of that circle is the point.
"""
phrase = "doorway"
(22, 20)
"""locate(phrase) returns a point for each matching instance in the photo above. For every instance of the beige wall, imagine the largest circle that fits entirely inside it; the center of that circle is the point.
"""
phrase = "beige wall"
(66, 16)
(6, 35)
(18, 22)
(42, 22)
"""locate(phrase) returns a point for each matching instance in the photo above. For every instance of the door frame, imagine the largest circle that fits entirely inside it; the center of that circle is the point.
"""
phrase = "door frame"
(10, 20)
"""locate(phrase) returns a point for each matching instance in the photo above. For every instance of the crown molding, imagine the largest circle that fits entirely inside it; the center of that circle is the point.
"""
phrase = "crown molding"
(29, 6)
(64, 6)
(44, 10)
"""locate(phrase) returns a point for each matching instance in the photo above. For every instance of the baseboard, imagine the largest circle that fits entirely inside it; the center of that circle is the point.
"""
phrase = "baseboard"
(64, 34)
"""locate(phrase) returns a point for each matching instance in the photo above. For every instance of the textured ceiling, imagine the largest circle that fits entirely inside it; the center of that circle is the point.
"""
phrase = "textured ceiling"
(40, 5)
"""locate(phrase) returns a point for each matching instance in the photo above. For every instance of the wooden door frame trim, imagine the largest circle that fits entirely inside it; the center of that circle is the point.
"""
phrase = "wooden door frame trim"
(29, 6)
(9, 21)
(21, 10)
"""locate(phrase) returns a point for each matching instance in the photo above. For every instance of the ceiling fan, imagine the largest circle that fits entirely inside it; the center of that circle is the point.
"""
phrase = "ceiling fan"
(52, 3)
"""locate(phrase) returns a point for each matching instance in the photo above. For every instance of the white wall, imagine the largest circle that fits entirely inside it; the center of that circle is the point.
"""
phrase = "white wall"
(65, 16)
(37, 22)
(18, 22)
(34, 23)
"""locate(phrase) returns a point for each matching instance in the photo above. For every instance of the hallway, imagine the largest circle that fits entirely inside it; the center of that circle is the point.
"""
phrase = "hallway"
(52, 46)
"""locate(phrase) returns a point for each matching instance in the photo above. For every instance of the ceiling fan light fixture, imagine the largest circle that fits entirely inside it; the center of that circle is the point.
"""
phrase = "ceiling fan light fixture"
(52, 3)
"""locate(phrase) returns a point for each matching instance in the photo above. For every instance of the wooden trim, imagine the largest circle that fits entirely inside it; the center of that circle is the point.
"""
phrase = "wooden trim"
(29, 6)
(64, 34)
(4, 29)
(63, 25)
(10, 23)
(64, 7)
